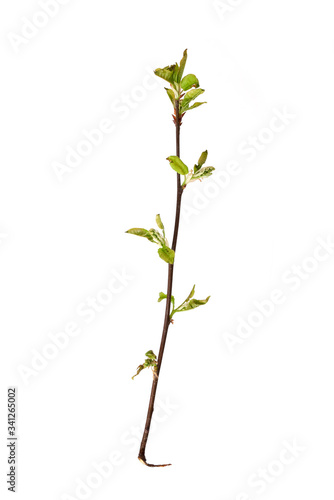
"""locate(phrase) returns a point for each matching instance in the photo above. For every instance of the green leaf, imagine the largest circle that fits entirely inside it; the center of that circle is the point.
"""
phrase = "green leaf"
(171, 95)
(150, 354)
(159, 222)
(189, 81)
(182, 65)
(157, 236)
(138, 231)
(190, 96)
(199, 173)
(202, 159)
(202, 173)
(191, 294)
(178, 165)
(163, 296)
(191, 304)
(176, 73)
(166, 73)
(195, 105)
(166, 254)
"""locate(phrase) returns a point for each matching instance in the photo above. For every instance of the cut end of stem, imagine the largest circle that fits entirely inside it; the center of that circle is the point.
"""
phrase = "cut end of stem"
(143, 461)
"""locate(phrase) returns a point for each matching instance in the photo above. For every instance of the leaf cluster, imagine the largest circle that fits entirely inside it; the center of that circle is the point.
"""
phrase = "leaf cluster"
(183, 89)
(155, 236)
(150, 362)
(188, 304)
(198, 173)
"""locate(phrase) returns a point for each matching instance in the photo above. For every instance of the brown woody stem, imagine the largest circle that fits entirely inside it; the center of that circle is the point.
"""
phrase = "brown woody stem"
(179, 192)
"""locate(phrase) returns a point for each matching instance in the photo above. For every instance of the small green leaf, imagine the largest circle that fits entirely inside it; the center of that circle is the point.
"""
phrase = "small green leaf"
(176, 73)
(163, 296)
(165, 73)
(196, 105)
(202, 173)
(193, 303)
(178, 165)
(190, 96)
(189, 303)
(138, 231)
(159, 222)
(191, 294)
(189, 81)
(199, 173)
(150, 354)
(166, 254)
(157, 236)
(150, 362)
(182, 65)
(171, 95)
(202, 159)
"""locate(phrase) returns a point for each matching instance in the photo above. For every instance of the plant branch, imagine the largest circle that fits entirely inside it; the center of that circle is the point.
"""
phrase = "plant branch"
(142, 456)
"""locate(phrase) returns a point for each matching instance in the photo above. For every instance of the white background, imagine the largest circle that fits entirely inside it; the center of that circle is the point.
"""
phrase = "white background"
(229, 413)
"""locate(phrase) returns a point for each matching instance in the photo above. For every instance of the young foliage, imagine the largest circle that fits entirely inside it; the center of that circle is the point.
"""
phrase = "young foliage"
(177, 165)
(163, 296)
(190, 96)
(200, 172)
(171, 95)
(188, 304)
(182, 65)
(166, 73)
(189, 81)
(195, 105)
(154, 236)
(166, 254)
(184, 89)
(150, 362)
(202, 159)
(160, 224)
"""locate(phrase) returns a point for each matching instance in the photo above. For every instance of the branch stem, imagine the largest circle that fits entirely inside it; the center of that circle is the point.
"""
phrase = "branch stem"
(179, 191)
